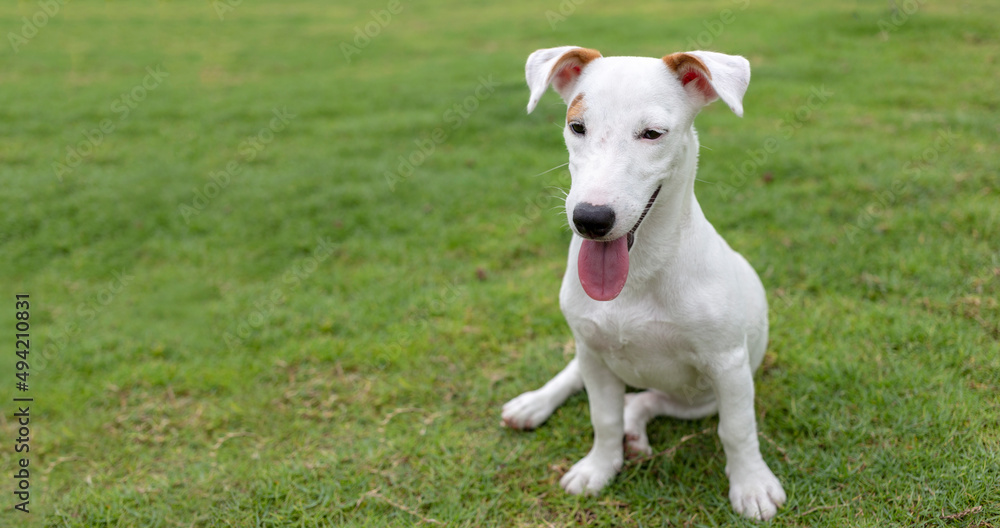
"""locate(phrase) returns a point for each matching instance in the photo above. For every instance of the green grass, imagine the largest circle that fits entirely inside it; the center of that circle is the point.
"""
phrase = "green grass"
(227, 368)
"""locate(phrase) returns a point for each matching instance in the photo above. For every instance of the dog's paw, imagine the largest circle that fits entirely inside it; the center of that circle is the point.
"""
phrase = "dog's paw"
(636, 415)
(637, 445)
(527, 411)
(590, 474)
(756, 494)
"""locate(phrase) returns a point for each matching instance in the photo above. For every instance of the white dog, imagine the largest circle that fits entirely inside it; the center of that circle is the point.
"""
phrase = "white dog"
(655, 298)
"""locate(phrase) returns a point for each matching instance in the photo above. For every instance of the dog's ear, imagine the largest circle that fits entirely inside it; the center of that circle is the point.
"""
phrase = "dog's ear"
(560, 67)
(710, 76)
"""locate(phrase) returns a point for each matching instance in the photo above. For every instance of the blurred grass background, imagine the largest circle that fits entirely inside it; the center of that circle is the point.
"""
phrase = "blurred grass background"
(318, 344)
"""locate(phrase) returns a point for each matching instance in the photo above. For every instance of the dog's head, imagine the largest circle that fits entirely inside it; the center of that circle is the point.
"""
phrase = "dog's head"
(629, 132)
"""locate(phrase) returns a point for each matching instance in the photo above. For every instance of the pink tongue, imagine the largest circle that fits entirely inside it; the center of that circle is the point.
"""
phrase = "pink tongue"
(603, 268)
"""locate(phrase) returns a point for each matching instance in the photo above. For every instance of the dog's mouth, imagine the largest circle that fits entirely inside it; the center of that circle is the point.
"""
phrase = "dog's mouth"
(649, 205)
(603, 266)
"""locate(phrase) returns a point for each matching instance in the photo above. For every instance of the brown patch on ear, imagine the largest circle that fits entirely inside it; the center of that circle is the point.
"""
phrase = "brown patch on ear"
(576, 109)
(688, 69)
(683, 65)
(569, 66)
(581, 55)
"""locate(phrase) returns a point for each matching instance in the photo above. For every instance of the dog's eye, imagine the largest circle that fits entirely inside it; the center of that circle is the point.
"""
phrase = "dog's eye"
(578, 128)
(649, 133)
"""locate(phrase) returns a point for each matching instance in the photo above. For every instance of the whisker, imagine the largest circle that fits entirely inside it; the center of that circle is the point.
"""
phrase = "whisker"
(560, 194)
(550, 170)
(704, 147)
(703, 181)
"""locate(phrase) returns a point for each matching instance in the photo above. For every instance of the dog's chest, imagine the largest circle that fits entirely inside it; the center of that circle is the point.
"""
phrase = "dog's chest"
(642, 349)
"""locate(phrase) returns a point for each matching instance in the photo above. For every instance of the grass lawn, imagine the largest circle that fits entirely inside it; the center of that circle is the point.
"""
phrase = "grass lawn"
(281, 274)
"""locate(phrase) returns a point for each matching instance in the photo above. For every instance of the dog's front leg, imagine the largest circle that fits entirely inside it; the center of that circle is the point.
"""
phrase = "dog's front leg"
(754, 491)
(606, 393)
(531, 408)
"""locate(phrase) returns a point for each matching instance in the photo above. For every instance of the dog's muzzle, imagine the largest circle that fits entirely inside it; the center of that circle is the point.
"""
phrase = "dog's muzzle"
(603, 265)
(595, 221)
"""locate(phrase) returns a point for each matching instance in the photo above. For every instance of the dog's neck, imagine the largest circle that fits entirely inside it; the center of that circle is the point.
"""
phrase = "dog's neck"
(674, 218)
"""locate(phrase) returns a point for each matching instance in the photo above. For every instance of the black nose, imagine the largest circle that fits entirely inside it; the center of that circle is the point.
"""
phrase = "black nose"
(593, 220)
